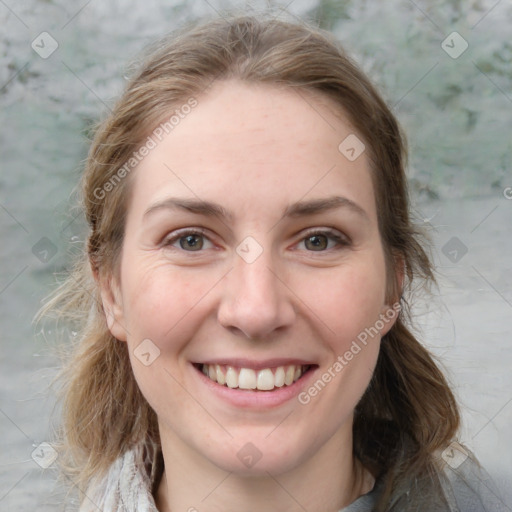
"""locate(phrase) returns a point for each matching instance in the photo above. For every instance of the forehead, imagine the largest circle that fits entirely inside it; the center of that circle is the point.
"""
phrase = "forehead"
(258, 142)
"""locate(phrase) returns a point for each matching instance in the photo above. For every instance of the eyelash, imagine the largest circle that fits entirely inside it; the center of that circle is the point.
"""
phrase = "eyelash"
(182, 234)
(341, 240)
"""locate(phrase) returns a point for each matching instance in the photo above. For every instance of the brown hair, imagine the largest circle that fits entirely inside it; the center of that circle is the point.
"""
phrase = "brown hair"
(408, 412)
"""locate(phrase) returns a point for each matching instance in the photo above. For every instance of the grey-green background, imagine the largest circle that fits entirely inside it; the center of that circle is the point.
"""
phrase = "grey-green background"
(456, 110)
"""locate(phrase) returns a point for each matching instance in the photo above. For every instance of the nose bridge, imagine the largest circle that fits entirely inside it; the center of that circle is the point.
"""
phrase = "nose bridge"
(255, 280)
(255, 301)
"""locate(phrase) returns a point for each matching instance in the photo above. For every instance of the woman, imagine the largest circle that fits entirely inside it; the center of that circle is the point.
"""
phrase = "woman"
(244, 343)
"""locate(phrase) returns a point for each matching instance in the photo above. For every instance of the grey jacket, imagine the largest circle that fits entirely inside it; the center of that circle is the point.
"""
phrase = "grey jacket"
(466, 487)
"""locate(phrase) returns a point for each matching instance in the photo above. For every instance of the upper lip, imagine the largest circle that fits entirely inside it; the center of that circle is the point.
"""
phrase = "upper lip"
(257, 365)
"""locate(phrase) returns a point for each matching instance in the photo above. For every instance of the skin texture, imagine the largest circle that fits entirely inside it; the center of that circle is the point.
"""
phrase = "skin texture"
(255, 149)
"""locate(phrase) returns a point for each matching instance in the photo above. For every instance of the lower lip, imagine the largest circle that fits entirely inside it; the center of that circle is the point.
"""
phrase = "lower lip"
(254, 398)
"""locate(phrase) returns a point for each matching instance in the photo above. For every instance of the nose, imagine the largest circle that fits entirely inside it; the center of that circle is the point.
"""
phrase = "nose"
(255, 301)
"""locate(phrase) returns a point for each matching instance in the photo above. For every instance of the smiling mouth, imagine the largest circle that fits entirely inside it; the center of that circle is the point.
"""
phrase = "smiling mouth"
(266, 379)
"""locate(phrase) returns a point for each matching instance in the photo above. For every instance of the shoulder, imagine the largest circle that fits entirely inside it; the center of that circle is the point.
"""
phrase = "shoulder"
(459, 484)
(466, 485)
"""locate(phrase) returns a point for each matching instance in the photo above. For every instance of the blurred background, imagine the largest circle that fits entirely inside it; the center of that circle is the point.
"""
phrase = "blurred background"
(445, 68)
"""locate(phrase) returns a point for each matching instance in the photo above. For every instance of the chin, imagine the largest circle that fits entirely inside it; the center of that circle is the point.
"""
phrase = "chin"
(254, 456)
(249, 461)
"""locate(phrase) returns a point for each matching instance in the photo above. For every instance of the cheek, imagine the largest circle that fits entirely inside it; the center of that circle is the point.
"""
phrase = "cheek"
(162, 305)
(345, 299)
(159, 300)
(348, 305)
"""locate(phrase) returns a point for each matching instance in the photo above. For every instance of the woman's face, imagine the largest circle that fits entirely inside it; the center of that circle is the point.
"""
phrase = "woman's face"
(252, 254)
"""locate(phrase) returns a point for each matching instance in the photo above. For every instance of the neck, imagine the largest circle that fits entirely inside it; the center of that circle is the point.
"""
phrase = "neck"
(325, 482)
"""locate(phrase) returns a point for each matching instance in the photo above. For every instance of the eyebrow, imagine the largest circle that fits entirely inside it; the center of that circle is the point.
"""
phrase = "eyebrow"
(197, 206)
(299, 209)
(315, 206)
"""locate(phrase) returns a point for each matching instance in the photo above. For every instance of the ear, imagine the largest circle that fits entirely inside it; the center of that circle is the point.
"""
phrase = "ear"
(112, 305)
(391, 308)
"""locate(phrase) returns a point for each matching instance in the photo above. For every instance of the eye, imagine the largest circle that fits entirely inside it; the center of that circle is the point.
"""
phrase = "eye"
(189, 240)
(323, 240)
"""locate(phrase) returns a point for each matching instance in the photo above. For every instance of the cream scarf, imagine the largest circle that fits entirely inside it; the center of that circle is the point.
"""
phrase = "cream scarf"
(126, 487)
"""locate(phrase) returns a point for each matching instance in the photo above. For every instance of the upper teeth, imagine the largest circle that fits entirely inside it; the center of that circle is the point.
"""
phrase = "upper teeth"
(247, 378)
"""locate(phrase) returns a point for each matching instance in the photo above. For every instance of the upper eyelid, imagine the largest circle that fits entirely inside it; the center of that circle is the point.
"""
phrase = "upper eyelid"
(325, 231)
(185, 231)
(332, 232)
(180, 233)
